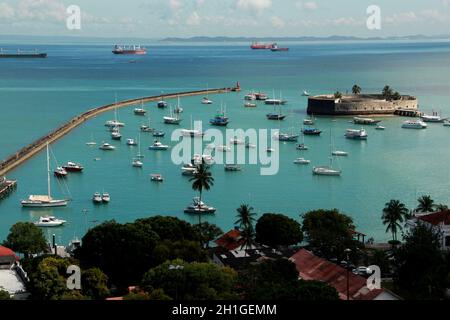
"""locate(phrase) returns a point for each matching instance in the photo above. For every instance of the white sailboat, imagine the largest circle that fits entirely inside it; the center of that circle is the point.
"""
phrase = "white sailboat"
(44, 201)
(327, 170)
(206, 100)
(171, 119)
(92, 142)
(140, 111)
(139, 155)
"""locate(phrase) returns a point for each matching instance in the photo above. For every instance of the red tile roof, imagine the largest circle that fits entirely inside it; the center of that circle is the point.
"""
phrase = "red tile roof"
(230, 240)
(437, 218)
(6, 252)
(311, 267)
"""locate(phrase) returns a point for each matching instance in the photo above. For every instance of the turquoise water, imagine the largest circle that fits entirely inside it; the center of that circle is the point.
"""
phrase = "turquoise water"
(38, 95)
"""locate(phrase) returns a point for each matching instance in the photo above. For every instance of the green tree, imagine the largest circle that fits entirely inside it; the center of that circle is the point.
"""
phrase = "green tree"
(387, 92)
(202, 180)
(396, 96)
(209, 232)
(338, 95)
(420, 268)
(278, 230)
(441, 207)
(94, 284)
(26, 238)
(426, 204)
(329, 231)
(170, 228)
(356, 89)
(191, 281)
(245, 217)
(4, 295)
(394, 213)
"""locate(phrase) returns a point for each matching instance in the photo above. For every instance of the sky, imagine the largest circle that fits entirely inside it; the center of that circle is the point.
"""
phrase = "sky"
(156, 19)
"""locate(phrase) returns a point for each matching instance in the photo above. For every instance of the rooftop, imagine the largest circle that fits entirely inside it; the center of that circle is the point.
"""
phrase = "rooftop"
(436, 218)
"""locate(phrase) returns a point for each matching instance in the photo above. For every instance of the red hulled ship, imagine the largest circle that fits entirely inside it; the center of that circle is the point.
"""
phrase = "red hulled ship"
(129, 50)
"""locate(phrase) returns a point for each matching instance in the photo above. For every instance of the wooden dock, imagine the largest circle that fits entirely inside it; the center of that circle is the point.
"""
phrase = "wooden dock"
(33, 148)
(6, 187)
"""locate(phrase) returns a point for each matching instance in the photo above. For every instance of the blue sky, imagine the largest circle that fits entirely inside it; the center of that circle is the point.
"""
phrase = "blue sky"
(186, 18)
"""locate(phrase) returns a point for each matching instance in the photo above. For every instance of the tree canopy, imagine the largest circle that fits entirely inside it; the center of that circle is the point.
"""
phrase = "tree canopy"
(278, 230)
(26, 238)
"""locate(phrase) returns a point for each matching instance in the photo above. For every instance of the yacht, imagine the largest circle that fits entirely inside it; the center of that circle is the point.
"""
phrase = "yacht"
(432, 118)
(140, 111)
(301, 161)
(414, 124)
(249, 145)
(97, 198)
(199, 159)
(162, 104)
(250, 105)
(356, 134)
(308, 122)
(270, 150)
(145, 128)
(286, 137)
(379, 127)
(275, 116)
(365, 121)
(302, 146)
(106, 146)
(446, 123)
(131, 142)
(305, 93)
(261, 96)
(326, 171)
(192, 133)
(159, 134)
(137, 163)
(250, 96)
(199, 206)
(115, 134)
(232, 167)
(171, 119)
(158, 146)
(106, 198)
(156, 177)
(44, 201)
(311, 132)
(60, 172)
(49, 221)
(114, 123)
(339, 153)
(73, 167)
(189, 169)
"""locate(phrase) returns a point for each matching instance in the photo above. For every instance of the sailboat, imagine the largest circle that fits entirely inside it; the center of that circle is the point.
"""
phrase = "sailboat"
(327, 170)
(92, 142)
(140, 111)
(44, 201)
(145, 128)
(206, 100)
(302, 146)
(171, 119)
(139, 155)
(178, 109)
(115, 122)
(276, 116)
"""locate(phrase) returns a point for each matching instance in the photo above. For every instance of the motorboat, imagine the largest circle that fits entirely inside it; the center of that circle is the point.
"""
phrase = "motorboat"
(162, 104)
(276, 102)
(250, 96)
(189, 169)
(302, 146)
(73, 167)
(339, 153)
(115, 134)
(249, 145)
(308, 122)
(137, 163)
(232, 167)
(106, 198)
(305, 93)
(140, 111)
(301, 161)
(106, 146)
(311, 132)
(158, 146)
(223, 148)
(432, 118)
(192, 133)
(44, 201)
(60, 172)
(270, 150)
(199, 206)
(49, 221)
(250, 105)
(261, 96)
(199, 159)
(286, 137)
(131, 142)
(156, 177)
(275, 116)
(365, 121)
(326, 171)
(206, 100)
(379, 127)
(159, 134)
(414, 124)
(356, 134)
(114, 123)
(446, 123)
(97, 198)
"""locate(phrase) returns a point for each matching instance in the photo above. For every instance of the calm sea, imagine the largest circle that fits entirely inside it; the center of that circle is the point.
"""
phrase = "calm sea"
(38, 95)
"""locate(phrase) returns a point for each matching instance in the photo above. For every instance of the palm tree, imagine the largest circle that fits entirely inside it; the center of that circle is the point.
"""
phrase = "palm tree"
(245, 216)
(356, 89)
(202, 179)
(441, 207)
(426, 204)
(387, 92)
(248, 236)
(338, 95)
(394, 213)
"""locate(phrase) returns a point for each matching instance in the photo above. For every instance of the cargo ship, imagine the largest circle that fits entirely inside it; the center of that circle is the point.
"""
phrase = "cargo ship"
(276, 48)
(262, 46)
(21, 54)
(129, 50)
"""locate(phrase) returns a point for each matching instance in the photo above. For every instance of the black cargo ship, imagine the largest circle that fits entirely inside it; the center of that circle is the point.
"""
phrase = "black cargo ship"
(21, 54)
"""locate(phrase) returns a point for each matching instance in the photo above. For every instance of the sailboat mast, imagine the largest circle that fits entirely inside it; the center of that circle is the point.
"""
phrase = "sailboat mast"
(48, 173)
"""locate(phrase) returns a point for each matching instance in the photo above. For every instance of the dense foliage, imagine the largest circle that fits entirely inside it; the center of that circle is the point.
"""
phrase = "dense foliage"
(278, 230)
(26, 238)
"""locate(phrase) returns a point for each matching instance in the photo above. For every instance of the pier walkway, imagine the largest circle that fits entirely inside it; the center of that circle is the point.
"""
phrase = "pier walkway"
(33, 148)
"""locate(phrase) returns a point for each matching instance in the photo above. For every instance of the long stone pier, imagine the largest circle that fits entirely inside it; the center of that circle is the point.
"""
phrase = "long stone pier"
(33, 148)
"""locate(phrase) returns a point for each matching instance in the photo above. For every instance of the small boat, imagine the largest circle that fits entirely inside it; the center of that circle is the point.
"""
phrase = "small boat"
(261, 96)
(446, 123)
(250, 96)
(106, 198)
(137, 163)
(145, 128)
(250, 105)
(199, 159)
(311, 132)
(414, 124)
(275, 116)
(115, 134)
(158, 146)
(379, 127)
(49, 221)
(192, 133)
(162, 104)
(356, 134)
(232, 167)
(236, 141)
(223, 148)
(339, 153)
(114, 123)
(219, 120)
(73, 167)
(276, 48)
(91, 143)
(249, 145)
(97, 198)
(270, 150)
(308, 122)
(140, 111)
(326, 171)
(206, 100)
(189, 169)
(106, 146)
(301, 161)
(60, 172)
(365, 121)
(302, 146)
(276, 102)
(286, 137)
(159, 134)
(199, 206)
(305, 93)
(131, 142)
(156, 177)
(171, 119)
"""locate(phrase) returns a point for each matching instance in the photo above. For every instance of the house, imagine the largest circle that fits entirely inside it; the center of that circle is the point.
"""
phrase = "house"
(439, 221)
(12, 276)
(232, 252)
(311, 267)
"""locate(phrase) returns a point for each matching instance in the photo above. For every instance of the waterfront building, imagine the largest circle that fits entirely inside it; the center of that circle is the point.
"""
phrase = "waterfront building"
(439, 221)
(12, 276)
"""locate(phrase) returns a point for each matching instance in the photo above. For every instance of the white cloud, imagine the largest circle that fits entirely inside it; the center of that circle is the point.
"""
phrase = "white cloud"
(257, 5)
(277, 22)
(309, 5)
(194, 19)
(403, 17)
(6, 11)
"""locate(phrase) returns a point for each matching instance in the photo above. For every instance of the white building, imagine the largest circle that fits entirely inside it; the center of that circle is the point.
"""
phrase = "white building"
(439, 221)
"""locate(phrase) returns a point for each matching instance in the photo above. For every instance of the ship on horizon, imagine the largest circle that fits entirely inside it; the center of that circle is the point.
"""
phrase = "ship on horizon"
(21, 54)
(262, 46)
(118, 49)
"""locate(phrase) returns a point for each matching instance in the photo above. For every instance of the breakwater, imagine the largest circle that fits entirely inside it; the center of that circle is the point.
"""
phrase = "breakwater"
(35, 147)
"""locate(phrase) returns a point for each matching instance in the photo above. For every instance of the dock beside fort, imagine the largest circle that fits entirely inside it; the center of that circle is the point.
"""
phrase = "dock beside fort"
(35, 147)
